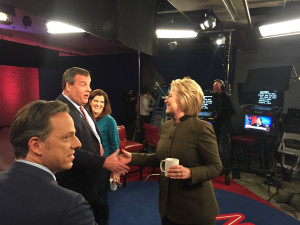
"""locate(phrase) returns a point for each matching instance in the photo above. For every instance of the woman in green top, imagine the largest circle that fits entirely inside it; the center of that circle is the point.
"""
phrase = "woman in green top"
(99, 106)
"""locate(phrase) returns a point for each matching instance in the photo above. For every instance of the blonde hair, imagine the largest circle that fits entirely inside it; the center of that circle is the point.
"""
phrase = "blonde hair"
(190, 95)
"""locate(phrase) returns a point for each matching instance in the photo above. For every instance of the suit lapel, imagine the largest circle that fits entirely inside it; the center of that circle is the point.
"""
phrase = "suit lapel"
(78, 116)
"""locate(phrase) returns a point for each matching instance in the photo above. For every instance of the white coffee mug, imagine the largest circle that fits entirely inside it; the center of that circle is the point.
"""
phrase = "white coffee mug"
(166, 163)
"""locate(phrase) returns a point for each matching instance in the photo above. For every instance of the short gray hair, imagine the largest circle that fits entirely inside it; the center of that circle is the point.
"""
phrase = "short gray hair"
(69, 75)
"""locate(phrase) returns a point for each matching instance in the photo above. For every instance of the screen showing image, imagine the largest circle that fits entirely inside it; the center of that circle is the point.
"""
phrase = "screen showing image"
(205, 114)
(207, 103)
(260, 123)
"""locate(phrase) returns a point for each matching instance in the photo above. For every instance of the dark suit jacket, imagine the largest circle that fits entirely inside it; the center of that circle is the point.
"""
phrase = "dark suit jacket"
(255, 125)
(193, 142)
(30, 196)
(86, 174)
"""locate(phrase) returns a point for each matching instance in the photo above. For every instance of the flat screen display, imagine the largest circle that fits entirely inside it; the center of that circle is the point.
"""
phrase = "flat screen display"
(206, 114)
(259, 123)
(269, 78)
(207, 104)
(262, 98)
(270, 98)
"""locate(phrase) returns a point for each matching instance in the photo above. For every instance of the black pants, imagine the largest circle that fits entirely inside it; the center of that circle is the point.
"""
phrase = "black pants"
(101, 206)
(166, 221)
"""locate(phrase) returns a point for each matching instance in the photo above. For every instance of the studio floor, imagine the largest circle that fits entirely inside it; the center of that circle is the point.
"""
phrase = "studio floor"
(256, 184)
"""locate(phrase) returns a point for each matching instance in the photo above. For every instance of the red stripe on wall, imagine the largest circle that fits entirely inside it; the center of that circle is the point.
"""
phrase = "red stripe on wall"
(18, 86)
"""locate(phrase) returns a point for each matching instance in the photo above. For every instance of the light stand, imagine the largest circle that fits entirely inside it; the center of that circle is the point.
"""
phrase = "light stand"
(137, 128)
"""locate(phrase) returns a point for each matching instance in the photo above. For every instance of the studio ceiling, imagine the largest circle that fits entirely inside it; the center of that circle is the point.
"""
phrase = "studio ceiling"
(241, 17)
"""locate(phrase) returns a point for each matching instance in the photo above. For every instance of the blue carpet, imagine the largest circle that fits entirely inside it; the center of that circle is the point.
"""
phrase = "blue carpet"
(137, 204)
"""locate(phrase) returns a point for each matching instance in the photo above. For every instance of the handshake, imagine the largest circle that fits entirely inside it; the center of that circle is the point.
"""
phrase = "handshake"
(117, 164)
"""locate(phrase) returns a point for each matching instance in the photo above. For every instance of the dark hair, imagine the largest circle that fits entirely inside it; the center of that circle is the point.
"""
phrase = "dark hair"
(106, 109)
(33, 121)
(145, 90)
(221, 82)
(69, 75)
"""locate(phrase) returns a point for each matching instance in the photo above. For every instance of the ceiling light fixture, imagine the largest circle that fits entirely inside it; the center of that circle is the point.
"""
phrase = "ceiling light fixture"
(4, 17)
(210, 21)
(168, 33)
(6, 11)
(221, 40)
(55, 27)
(290, 27)
(173, 45)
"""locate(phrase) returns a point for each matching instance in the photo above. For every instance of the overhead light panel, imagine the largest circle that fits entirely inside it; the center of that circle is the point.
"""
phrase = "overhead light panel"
(168, 33)
(55, 27)
(6, 11)
(284, 28)
(4, 16)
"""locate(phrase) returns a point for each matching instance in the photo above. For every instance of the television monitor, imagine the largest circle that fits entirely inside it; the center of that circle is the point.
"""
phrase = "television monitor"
(258, 122)
(207, 104)
(262, 98)
(205, 113)
(270, 98)
(269, 78)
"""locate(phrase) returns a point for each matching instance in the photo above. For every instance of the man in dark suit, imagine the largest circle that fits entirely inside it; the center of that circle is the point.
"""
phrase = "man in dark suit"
(86, 176)
(258, 123)
(43, 136)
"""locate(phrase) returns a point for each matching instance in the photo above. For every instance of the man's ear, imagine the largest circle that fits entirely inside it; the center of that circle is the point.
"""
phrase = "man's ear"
(68, 86)
(35, 145)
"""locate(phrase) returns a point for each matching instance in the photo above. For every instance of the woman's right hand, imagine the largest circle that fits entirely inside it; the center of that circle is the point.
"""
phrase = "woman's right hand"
(115, 177)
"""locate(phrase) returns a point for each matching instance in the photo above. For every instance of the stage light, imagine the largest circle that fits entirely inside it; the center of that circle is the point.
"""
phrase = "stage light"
(173, 45)
(221, 40)
(210, 21)
(4, 17)
(55, 27)
(168, 33)
(6, 11)
(290, 27)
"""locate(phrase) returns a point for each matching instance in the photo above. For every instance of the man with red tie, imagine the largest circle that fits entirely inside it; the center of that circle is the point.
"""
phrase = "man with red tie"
(86, 176)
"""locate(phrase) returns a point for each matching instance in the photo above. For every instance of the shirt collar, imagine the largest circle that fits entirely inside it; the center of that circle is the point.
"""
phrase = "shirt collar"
(74, 103)
(183, 118)
(37, 165)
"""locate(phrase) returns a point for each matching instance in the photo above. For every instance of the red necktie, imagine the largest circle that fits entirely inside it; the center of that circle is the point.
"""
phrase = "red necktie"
(83, 112)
